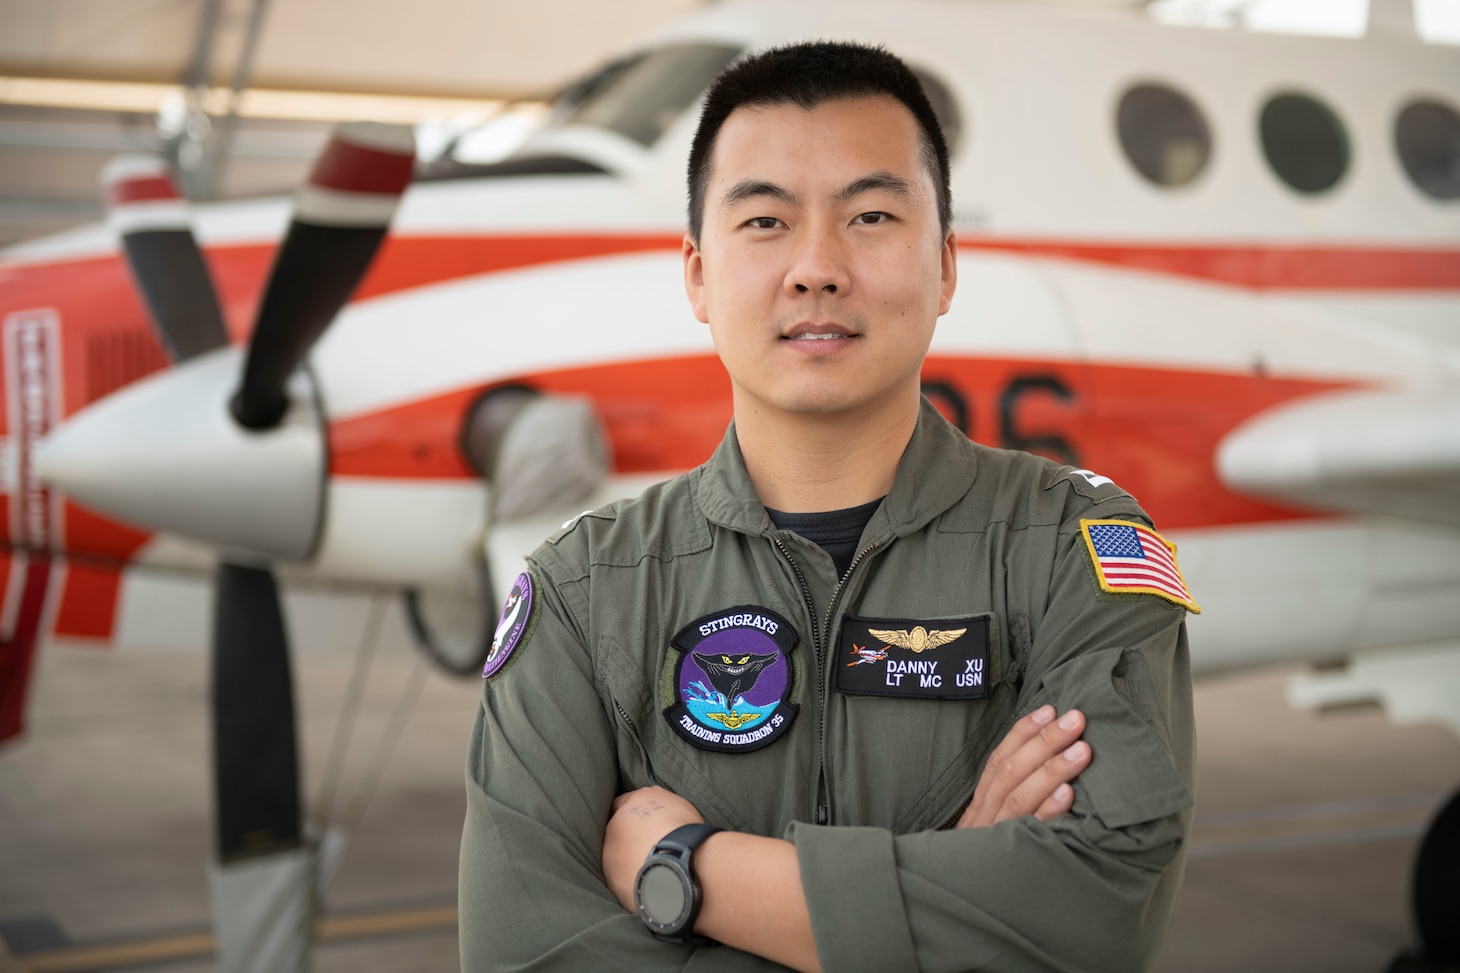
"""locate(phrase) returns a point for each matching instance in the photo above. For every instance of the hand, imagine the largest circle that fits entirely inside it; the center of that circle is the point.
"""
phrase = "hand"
(1030, 771)
(639, 819)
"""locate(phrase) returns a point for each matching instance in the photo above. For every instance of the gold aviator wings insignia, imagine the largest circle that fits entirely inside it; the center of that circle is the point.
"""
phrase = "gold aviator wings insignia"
(918, 639)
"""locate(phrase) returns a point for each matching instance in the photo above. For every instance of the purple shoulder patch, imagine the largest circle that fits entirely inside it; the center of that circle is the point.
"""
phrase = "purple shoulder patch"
(512, 626)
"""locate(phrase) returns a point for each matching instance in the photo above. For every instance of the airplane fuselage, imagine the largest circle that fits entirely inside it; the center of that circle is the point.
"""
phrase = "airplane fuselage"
(1104, 319)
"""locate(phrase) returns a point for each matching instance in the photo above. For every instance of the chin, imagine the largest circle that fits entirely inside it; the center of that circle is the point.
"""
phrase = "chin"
(823, 401)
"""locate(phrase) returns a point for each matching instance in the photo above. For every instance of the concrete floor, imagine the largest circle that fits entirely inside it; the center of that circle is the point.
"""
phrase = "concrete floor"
(1305, 833)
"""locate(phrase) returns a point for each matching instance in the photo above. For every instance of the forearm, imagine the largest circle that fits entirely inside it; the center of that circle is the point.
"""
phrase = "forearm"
(1020, 896)
(753, 899)
(753, 894)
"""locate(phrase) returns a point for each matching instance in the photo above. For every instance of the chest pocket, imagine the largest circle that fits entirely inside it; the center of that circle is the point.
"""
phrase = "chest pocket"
(907, 757)
(759, 792)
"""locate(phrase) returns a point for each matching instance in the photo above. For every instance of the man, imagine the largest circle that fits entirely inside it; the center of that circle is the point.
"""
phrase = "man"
(815, 641)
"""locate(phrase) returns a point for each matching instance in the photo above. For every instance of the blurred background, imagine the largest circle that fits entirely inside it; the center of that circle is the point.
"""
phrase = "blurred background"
(1307, 823)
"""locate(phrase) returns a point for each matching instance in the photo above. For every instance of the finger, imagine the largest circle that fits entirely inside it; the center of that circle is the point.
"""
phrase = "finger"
(1051, 740)
(1045, 781)
(1033, 741)
(1022, 732)
(1057, 803)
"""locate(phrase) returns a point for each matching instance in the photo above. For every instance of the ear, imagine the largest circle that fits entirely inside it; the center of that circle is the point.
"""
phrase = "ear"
(950, 272)
(694, 279)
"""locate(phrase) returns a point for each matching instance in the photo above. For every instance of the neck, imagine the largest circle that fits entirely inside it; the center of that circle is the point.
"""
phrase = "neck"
(815, 463)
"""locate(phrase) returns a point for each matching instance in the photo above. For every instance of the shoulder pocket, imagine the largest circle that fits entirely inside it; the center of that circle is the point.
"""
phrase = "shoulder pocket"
(1132, 777)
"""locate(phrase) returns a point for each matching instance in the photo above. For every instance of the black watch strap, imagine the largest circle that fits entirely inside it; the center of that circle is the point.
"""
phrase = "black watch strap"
(684, 839)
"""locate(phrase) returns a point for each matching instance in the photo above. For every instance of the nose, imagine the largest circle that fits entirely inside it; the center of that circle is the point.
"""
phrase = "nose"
(819, 266)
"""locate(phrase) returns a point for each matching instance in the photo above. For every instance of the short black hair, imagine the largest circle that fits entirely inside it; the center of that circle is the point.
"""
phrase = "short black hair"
(807, 75)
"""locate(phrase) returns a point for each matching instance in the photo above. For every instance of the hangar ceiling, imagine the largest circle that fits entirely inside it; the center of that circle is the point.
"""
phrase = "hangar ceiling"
(483, 50)
(463, 48)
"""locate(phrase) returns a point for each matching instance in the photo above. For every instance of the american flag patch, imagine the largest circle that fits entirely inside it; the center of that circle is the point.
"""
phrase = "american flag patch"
(1131, 559)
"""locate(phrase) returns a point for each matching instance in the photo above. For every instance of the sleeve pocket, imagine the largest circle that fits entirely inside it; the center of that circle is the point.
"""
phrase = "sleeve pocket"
(1131, 778)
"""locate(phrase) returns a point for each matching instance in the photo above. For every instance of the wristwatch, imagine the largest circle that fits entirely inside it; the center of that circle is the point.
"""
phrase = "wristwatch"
(666, 892)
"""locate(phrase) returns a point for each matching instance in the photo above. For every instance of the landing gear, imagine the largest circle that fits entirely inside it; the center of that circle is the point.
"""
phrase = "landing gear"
(1436, 897)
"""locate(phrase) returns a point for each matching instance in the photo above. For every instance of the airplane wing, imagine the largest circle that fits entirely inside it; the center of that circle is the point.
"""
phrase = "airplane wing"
(1414, 683)
(1369, 452)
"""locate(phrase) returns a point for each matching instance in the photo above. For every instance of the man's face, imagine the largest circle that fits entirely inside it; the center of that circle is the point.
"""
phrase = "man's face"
(821, 268)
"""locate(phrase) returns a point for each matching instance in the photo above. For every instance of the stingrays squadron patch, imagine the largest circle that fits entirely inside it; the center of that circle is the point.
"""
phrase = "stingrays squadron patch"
(947, 658)
(733, 680)
(512, 626)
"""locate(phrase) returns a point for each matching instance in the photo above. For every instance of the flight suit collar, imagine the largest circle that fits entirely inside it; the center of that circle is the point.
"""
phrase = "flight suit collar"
(936, 470)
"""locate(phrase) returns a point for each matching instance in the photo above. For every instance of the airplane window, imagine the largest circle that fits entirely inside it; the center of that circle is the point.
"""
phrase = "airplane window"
(1427, 137)
(1304, 141)
(1163, 133)
(944, 107)
(642, 96)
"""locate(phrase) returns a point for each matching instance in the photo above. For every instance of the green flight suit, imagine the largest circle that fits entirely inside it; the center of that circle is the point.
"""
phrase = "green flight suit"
(575, 716)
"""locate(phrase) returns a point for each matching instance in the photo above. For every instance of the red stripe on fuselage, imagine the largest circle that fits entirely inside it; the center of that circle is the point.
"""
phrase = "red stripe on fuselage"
(1261, 266)
(661, 414)
(1154, 431)
(410, 261)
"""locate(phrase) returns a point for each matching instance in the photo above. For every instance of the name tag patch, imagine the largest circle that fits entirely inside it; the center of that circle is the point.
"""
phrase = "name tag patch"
(733, 679)
(917, 659)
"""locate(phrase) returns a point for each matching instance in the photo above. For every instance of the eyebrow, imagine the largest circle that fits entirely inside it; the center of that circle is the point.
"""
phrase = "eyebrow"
(752, 188)
(875, 182)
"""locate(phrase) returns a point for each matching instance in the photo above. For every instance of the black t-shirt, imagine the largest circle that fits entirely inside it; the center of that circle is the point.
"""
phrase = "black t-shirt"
(835, 531)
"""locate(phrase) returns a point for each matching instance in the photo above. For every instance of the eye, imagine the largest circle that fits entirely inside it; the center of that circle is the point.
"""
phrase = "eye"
(762, 222)
(872, 218)
(744, 659)
(727, 660)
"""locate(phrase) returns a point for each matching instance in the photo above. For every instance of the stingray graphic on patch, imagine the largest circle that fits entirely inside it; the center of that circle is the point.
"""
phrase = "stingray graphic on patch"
(733, 679)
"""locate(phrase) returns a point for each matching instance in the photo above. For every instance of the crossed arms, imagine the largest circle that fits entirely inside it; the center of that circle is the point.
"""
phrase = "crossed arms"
(753, 899)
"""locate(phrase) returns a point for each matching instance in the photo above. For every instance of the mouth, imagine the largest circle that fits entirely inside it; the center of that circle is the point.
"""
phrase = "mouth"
(818, 332)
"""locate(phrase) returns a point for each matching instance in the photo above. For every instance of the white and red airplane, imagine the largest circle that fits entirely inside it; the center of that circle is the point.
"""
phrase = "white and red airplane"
(1219, 268)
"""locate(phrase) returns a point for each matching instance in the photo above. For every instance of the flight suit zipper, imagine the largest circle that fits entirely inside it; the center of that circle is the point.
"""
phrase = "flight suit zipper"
(823, 801)
(638, 741)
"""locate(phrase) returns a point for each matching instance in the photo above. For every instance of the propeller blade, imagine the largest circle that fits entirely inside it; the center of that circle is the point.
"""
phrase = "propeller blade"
(256, 766)
(150, 215)
(340, 218)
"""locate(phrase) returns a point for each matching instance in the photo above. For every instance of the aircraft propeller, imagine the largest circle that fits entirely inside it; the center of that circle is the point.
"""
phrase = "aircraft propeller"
(340, 218)
(151, 217)
(228, 448)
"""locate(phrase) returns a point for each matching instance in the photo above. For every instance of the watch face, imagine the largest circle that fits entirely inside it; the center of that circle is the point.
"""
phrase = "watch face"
(663, 896)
